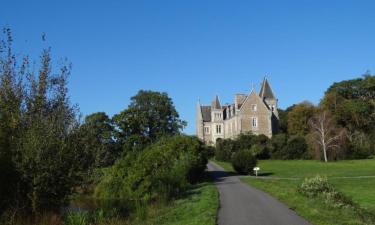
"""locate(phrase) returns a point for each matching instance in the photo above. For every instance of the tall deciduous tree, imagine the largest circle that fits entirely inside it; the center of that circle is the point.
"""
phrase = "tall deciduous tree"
(325, 133)
(149, 116)
(11, 95)
(39, 160)
(97, 139)
(298, 118)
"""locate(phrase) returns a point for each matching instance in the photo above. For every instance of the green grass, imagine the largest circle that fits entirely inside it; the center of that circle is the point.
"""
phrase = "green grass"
(362, 191)
(198, 207)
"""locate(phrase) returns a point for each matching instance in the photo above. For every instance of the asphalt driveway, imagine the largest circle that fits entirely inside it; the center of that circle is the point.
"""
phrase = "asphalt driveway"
(241, 204)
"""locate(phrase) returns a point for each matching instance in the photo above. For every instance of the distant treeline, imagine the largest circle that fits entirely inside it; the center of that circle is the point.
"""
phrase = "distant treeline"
(341, 126)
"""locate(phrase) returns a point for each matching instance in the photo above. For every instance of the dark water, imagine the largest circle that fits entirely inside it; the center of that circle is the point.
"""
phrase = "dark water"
(92, 206)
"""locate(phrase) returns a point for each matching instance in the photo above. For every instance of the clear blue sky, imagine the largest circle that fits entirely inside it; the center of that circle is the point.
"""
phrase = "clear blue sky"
(196, 49)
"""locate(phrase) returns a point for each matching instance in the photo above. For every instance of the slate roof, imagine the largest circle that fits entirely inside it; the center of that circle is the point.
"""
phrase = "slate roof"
(206, 113)
(216, 103)
(240, 98)
(266, 91)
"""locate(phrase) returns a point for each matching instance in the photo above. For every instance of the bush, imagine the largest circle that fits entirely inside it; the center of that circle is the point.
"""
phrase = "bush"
(279, 142)
(245, 141)
(358, 151)
(320, 187)
(296, 148)
(244, 162)
(260, 151)
(225, 149)
(315, 186)
(162, 170)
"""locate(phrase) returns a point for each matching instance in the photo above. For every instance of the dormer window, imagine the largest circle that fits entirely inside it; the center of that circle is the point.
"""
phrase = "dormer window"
(254, 107)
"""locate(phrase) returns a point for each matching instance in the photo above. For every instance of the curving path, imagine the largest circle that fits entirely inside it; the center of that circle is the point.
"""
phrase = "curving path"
(241, 204)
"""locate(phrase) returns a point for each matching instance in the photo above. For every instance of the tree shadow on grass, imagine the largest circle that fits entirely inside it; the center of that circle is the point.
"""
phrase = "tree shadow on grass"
(265, 174)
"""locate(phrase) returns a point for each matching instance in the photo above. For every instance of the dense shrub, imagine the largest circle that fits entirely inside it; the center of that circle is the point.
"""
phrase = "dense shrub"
(296, 148)
(359, 147)
(225, 148)
(279, 142)
(315, 186)
(319, 187)
(162, 170)
(244, 162)
(244, 141)
(260, 151)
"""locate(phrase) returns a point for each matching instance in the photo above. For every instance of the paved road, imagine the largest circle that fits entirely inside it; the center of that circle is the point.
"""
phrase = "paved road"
(241, 204)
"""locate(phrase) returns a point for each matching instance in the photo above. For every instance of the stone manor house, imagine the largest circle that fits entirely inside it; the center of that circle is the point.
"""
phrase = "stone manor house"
(255, 113)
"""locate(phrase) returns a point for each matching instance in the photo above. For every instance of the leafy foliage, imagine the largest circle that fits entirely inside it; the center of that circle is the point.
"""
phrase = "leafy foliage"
(38, 152)
(150, 116)
(296, 148)
(279, 143)
(260, 145)
(298, 118)
(352, 105)
(97, 139)
(244, 162)
(162, 170)
(224, 150)
(320, 187)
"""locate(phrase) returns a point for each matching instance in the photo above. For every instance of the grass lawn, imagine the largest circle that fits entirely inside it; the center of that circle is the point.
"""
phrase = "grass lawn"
(362, 191)
(198, 207)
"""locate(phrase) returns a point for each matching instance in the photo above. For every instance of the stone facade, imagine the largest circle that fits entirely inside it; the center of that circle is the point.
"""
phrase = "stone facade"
(255, 113)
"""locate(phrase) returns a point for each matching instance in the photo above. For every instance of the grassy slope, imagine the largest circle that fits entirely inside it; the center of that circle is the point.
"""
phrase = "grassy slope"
(198, 207)
(360, 190)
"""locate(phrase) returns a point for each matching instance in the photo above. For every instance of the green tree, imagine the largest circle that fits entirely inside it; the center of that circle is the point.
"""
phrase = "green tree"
(283, 121)
(296, 148)
(150, 115)
(40, 161)
(46, 155)
(97, 139)
(11, 95)
(352, 105)
(298, 118)
(163, 169)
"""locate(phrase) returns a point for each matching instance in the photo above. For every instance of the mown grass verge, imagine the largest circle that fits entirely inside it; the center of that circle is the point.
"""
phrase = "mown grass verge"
(360, 190)
(198, 207)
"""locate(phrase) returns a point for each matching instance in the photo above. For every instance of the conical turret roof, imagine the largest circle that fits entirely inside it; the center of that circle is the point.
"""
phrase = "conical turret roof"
(266, 90)
(216, 103)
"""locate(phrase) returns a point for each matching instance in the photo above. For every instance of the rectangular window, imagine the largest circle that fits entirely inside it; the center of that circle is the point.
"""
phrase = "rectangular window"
(218, 129)
(206, 130)
(254, 107)
(254, 121)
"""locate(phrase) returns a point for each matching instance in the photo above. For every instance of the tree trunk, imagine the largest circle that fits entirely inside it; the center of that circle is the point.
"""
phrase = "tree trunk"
(325, 153)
